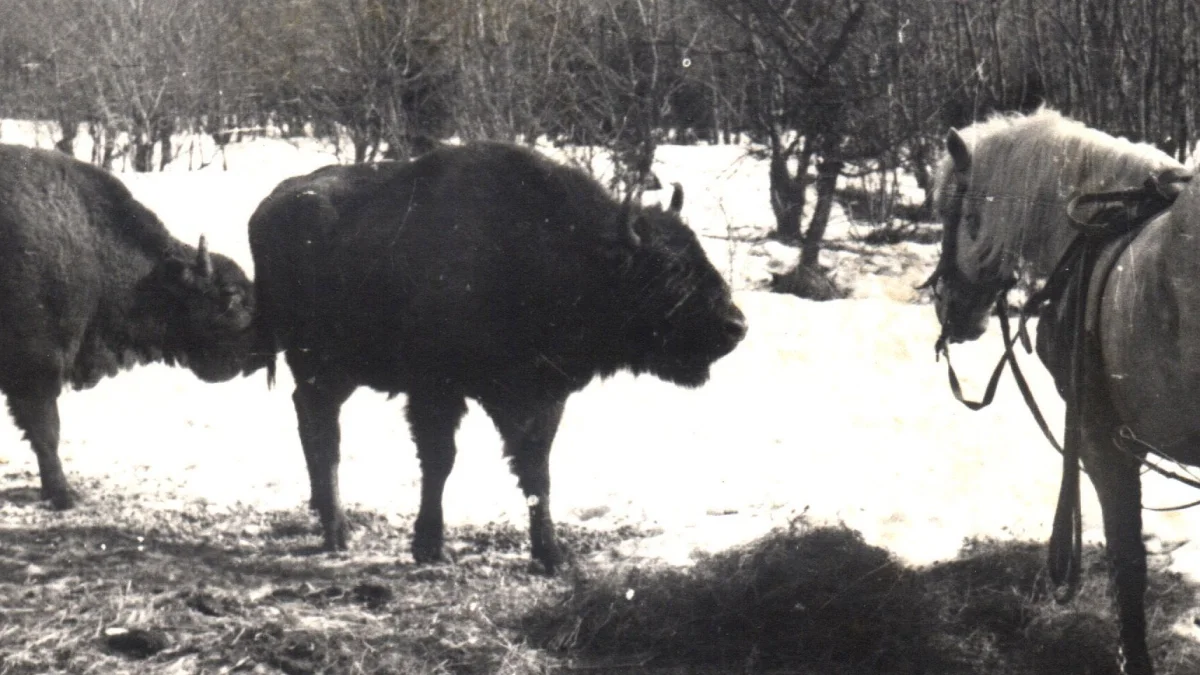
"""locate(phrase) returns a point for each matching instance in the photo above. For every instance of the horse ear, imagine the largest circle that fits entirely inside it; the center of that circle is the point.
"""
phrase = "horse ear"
(204, 264)
(957, 147)
(676, 199)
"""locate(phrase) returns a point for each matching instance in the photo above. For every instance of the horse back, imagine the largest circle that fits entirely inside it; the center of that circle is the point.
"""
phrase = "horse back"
(1150, 330)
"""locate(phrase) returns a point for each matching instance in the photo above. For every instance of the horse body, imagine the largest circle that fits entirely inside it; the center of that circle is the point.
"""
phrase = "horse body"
(1003, 194)
(1151, 317)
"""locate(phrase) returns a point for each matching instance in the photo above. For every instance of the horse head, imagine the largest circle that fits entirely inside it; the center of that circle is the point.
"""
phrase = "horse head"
(965, 285)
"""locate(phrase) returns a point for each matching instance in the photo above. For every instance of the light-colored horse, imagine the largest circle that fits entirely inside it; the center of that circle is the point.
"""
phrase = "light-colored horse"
(1003, 191)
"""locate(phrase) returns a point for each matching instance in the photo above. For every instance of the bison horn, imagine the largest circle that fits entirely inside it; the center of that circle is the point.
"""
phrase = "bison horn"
(629, 232)
(626, 222)
(676, 199)
(203, 259)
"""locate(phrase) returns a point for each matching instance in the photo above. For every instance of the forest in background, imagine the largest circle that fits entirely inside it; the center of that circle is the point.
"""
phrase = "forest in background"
(823, 88)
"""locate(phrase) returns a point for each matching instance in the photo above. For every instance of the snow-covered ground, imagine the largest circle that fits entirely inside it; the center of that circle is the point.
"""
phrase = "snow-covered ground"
(834, 409)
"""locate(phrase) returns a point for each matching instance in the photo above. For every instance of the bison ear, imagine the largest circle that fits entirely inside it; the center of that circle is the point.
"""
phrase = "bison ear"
(959, 153)
(204, 264)
(676, 199)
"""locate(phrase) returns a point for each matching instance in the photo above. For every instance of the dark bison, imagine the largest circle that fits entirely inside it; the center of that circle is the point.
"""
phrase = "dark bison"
(483, 271)
(91, 283)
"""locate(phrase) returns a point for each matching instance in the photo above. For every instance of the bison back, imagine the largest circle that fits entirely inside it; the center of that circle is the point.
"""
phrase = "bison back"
(473, 259)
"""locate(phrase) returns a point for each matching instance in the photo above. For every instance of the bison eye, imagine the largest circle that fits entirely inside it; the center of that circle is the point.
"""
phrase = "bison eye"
(230, 296)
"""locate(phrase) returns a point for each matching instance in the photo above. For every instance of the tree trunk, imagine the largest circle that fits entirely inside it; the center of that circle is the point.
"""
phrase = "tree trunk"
(360, 148)
(142, 140)
(828, 171)
(70, 129)
(787, 191)
(920, 167)
(143, 155)
(163, 130)
(104, 145)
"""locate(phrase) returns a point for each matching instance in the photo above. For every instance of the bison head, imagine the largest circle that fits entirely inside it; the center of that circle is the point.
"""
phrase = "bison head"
(210, 315)
(681, 313)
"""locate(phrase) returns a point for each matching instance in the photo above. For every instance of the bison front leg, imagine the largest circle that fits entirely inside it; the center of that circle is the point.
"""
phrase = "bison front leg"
(318, 404)
(433, 418)
(37, 416)
(528, 432)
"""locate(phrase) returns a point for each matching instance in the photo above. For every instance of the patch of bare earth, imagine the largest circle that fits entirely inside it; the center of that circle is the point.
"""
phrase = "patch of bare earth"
(120, 586)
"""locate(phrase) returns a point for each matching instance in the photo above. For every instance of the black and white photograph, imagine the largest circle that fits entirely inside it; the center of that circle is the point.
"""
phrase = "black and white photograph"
(855, 337)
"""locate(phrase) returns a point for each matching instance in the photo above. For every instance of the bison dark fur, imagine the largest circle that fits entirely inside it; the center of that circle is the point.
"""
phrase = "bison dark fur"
(482, 271)
(92, 283)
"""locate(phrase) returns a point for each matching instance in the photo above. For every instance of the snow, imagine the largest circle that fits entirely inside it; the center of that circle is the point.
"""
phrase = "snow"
(837, 410)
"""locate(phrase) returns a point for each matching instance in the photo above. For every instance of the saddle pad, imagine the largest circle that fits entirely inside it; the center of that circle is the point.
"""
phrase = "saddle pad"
(1058, 336)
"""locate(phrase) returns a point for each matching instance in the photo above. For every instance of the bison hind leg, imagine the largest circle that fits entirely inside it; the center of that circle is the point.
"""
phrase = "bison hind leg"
(36, 414)
(433, 416)
(528, 431)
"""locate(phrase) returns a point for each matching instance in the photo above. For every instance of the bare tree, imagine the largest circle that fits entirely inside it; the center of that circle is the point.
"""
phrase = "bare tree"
(801, 100)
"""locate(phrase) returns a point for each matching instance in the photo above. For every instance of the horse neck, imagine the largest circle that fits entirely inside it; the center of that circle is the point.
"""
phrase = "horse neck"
(1042, 250)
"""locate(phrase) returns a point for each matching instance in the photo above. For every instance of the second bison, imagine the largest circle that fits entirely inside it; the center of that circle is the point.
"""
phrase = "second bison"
(482, 271)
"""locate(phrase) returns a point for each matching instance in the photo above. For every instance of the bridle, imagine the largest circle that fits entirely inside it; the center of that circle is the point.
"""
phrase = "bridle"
(949, 271)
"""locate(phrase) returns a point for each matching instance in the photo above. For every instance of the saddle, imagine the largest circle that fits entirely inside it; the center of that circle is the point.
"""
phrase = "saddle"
(1068, 306)
(1060, 332)
(1081, 273)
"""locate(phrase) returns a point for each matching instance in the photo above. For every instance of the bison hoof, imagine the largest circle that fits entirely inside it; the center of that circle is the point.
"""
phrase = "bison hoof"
(551, 559)
(60, 500)
(427, 553)
(337, 536)
(335, 543)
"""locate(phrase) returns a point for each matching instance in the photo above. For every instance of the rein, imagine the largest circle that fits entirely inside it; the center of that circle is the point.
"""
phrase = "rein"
(1007, 359)
(1066, 538)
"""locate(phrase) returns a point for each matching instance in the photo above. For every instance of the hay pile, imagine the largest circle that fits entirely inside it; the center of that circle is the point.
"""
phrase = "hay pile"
(819, 600)
(124, 586)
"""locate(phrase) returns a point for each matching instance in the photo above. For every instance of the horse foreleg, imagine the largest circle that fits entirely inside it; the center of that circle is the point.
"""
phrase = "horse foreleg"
(1118, 486)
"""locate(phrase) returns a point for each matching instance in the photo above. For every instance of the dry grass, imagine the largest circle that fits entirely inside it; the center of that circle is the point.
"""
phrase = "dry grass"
(123, 586)
(819, 600)
(239, 590)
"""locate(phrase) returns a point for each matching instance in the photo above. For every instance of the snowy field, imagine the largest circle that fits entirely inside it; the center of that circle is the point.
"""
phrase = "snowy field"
(837, 409)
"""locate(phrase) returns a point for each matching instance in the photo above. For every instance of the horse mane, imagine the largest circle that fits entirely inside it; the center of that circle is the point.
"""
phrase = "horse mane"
(1025, 168)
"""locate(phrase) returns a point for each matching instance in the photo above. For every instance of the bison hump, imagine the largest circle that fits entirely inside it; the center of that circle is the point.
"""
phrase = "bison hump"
(310, 213)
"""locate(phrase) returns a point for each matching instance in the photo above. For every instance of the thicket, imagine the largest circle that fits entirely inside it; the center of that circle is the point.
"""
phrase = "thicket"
(823, 88)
